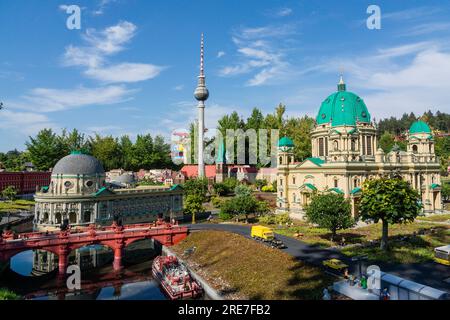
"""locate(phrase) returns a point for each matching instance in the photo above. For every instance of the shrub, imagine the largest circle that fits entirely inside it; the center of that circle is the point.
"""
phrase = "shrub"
(268, 219)
(283, 218)
(268, 188)
(216, 202)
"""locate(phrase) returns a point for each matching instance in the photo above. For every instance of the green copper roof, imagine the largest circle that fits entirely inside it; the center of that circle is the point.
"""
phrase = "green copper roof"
(435, 186)
(343, 108)
(419, 127)
(316, 161)
(337, 190)
(310, 186)
(176, 187)
(99, 192)
(356, 190)
(285, 142)
(75, 152)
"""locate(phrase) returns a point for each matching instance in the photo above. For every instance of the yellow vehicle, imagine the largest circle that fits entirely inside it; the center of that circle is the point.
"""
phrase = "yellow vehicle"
(442, 255)
(262, 233)
(335, 264)
(267, 235)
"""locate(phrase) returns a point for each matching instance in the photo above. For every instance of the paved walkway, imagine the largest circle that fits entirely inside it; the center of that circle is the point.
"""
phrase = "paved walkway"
(430, 273)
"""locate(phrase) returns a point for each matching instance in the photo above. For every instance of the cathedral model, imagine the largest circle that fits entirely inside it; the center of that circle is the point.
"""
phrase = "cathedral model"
(345, 153)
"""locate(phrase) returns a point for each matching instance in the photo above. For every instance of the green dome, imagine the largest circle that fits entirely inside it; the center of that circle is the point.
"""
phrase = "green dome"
(419, 127)
(285, 142)
(343, 108)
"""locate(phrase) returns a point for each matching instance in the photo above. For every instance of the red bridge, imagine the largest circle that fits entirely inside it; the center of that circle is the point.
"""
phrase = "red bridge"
(115, 237)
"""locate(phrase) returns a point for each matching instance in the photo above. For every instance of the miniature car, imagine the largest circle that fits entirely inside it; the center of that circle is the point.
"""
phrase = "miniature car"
(335, 264)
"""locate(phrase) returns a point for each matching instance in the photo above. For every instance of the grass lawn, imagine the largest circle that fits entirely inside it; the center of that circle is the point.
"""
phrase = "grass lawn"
(436, 217)
(16, 205)
(319, 236)
(414, 249)
(245, 269)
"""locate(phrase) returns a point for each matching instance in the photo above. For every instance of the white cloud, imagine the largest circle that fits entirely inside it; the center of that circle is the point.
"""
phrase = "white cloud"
(220, 54)
(125, 72)
(260, 52)
(179, 87)
(104, 43)
(24, 122)
(283, 12)
(111, 39)
(51, 100)
(427, 28)
(100, 10)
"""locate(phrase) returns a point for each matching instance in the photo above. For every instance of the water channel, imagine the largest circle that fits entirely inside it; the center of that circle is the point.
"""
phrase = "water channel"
(33, 275)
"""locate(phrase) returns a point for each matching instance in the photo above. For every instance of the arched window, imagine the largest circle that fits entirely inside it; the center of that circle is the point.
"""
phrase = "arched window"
(335, 145)
(321, 148)
(87, 217)
(353, 144)
(72, 217)
(58, 219)
(336, 182)
(414, 149)
(281, 160)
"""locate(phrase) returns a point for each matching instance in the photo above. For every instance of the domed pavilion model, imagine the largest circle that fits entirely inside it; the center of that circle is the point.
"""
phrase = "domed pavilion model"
(345, 153)
(78, 192)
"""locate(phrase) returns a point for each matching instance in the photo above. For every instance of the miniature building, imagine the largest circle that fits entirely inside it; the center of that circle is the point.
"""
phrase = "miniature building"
(78, 192)
(345, 153)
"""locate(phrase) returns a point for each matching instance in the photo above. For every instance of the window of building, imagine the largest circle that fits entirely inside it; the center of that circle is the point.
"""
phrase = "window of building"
(363, 145)
(414, 148)
(326, 146)
(336, 183)
(335, 145)
(293, 180)
(369, 146)
(321, 147)
(281, 182)
(353, 145)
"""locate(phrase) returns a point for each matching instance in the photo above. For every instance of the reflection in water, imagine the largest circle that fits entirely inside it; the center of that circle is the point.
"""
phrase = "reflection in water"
(32, 274)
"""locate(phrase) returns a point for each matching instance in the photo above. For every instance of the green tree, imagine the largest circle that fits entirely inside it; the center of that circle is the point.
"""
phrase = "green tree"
(74, 141)
(330, 211)
(386, 141)
(228, 210)
(127, 149)
(9, 193)
(391, 201)
(193, 204)
(107, 151)
(45, 149)
(446, 191)
(195, 191)
(259, 183)
(142, 153)
(299, 130)
(161, 154)
(220, 189)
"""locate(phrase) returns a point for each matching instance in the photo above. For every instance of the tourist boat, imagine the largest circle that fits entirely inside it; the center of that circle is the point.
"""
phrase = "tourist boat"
(175, 278)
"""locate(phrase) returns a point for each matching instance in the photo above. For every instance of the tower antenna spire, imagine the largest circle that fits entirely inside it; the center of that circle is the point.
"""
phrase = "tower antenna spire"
(201, 94)
(202, 57)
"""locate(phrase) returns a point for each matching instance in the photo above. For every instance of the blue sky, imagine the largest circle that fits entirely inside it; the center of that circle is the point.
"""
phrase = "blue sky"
(133, 66)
